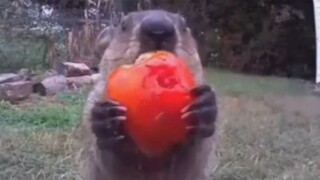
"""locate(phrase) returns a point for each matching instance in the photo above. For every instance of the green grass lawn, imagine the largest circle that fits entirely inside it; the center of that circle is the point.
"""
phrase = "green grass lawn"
(269, 129)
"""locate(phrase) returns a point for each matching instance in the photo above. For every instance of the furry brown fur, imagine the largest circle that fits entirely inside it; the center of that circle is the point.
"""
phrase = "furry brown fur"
(121, 160)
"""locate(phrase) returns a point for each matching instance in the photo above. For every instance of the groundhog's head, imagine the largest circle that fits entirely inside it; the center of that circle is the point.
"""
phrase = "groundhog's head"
(143, 31)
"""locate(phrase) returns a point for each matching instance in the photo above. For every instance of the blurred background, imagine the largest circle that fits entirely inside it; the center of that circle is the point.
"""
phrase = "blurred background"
(264, 37)
(260, 55)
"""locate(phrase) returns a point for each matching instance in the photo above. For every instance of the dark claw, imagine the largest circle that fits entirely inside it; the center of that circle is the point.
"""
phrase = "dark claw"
(204, 97)
(108, 128)
(204, 114)
(107, 123)
(201, 89)
(201, 113)
(111, 142)
(202, 131)
(107, 109)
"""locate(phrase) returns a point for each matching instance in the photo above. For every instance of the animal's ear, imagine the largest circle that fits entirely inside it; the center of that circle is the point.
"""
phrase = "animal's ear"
(102, 41)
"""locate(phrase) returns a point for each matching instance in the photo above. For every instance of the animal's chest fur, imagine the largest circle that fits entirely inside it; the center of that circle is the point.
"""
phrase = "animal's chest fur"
(185, 166)
(173, 173)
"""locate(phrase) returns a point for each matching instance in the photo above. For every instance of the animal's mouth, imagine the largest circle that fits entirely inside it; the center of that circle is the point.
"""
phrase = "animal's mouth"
(148, 54)
(143, 56)
(148, 45)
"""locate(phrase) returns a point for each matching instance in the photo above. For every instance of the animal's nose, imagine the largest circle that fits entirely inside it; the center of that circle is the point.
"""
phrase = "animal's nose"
(157, 27)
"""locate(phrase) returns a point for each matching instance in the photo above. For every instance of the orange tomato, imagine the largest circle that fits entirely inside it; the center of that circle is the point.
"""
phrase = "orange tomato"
(154, 89)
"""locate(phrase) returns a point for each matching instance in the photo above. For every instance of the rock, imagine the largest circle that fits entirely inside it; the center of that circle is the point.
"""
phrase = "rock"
(9, 77)
(45, 75)
(51, 85)
(15, 91)
(89, 61)
(25, 74)
(76, 69)
(95, 77)
(78, 82)
(50, 73)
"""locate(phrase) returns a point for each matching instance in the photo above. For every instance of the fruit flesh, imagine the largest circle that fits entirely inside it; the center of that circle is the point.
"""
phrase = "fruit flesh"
(154, 90)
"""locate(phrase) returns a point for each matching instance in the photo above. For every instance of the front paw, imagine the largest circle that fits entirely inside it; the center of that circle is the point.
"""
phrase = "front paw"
(202, 112)
(107, 119)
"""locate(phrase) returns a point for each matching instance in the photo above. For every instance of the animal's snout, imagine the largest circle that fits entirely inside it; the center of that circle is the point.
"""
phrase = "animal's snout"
(157, 27)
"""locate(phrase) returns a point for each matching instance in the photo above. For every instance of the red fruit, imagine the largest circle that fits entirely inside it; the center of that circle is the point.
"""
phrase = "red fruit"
(154, 90)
